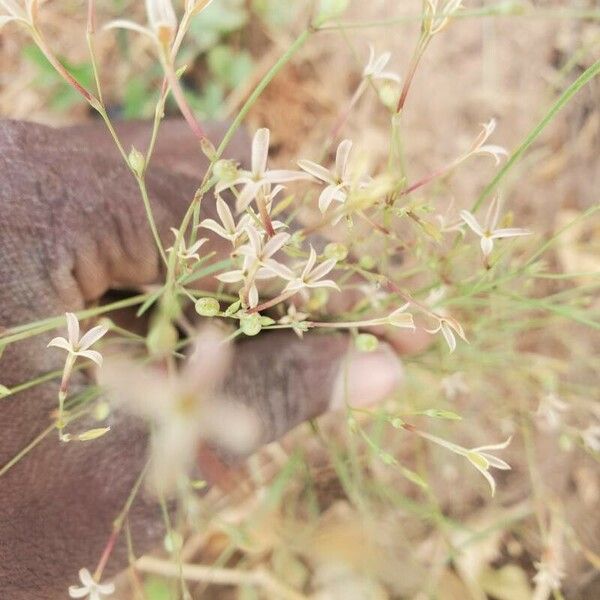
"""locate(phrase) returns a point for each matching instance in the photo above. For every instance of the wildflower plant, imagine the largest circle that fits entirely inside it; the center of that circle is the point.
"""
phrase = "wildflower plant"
(280, 272)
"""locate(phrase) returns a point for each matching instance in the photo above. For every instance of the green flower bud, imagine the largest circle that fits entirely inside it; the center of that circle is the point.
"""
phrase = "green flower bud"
(251, 324)
(367, 262)
(336, 251)
(208, 149)
(366, 342)
(137, 162)
(162, 339)
(208, 307)
(225, 170)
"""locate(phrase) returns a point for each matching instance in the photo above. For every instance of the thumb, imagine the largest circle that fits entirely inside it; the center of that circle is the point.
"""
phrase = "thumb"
(285, 380)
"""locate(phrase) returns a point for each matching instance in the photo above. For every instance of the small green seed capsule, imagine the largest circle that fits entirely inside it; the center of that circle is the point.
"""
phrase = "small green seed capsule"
(366, 342)
(208, 307)
(336, 251)
(137, 162)
(251, 324)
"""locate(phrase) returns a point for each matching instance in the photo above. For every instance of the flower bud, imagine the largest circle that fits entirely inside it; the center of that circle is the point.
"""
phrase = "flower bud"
(208, 149)
(162, 339)
(366, 342)
(367, 262)
(336, 251)
(251, 324)
(137, 162)
(225, 170)
(207, 307)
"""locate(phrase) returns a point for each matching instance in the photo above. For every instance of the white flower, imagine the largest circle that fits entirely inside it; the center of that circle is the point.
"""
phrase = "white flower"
(311, 276)
(454, 385)
(25, 15)
(338, 181)
(549, 575)
(591, 437)
(374, 67)
(548, 411)
(162, 22)
(489, 232)
(480, 147)
(259, 176)
(228, 230)
(448, 325)
(183, 252)
(295, 319)
(400, 318)
(482, 461)
(77, 346)
(90, 589)
(185, 408)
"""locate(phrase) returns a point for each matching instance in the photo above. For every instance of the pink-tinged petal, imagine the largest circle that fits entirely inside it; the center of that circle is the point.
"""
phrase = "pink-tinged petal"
(487, 245)
(322, 270)
(72, 328)
(231, 276)
(278, 269)
(215, 227)
(225, 215)
(209, 362)
(260, 151)
(316, 170)
(275, 244)
(60, 342)
(471, 221)
(509, 232)
(124, 24)
(341, 158)
(91, 355)
(284, 175)
(92, 336)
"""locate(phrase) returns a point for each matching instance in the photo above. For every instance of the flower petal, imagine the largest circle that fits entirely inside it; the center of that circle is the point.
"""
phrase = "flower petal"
(341, 159)
(215, 227)
(92, 336)
(124, 24)
(487, 245)
(509, 232)
(225, 215)
(283, 175)
(231, 276)
(260, 151)
(316, 170)
(60, 342)
(72, 328)
(471, 221)
(92, 355)
(322, 270)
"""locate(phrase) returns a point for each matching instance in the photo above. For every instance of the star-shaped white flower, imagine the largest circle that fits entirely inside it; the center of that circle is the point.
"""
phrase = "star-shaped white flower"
(77, 346)
(185, 253)
(311, 276)
(448, 326)
(90, 589)
(228, 229)
(376, 65)
(489, 231)
(480, 147)
(259, 176)
(482, 460)
(338, 181)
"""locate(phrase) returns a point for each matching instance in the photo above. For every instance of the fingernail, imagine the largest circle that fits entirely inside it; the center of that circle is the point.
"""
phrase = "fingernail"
(366, 378)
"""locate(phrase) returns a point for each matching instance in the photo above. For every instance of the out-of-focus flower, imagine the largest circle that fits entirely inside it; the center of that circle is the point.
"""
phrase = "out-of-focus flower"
(400, 318)
(259, 176)
(183, 252)
(480, 147)
(77, 346)
(311, 276)
(184, 408)
(548, 413)
(591, 437)
(454, 385)
(25, 15)
(89, 588)
(375, 66)
(295, 319)
(448, 326)
(489, 232)
(338, 181)
(436, 17)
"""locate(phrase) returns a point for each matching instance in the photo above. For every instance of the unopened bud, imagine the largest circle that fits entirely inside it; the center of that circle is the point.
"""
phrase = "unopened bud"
(208, 149)
(162, 339)
(336, 251)
(208, 307)
(137, 162)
